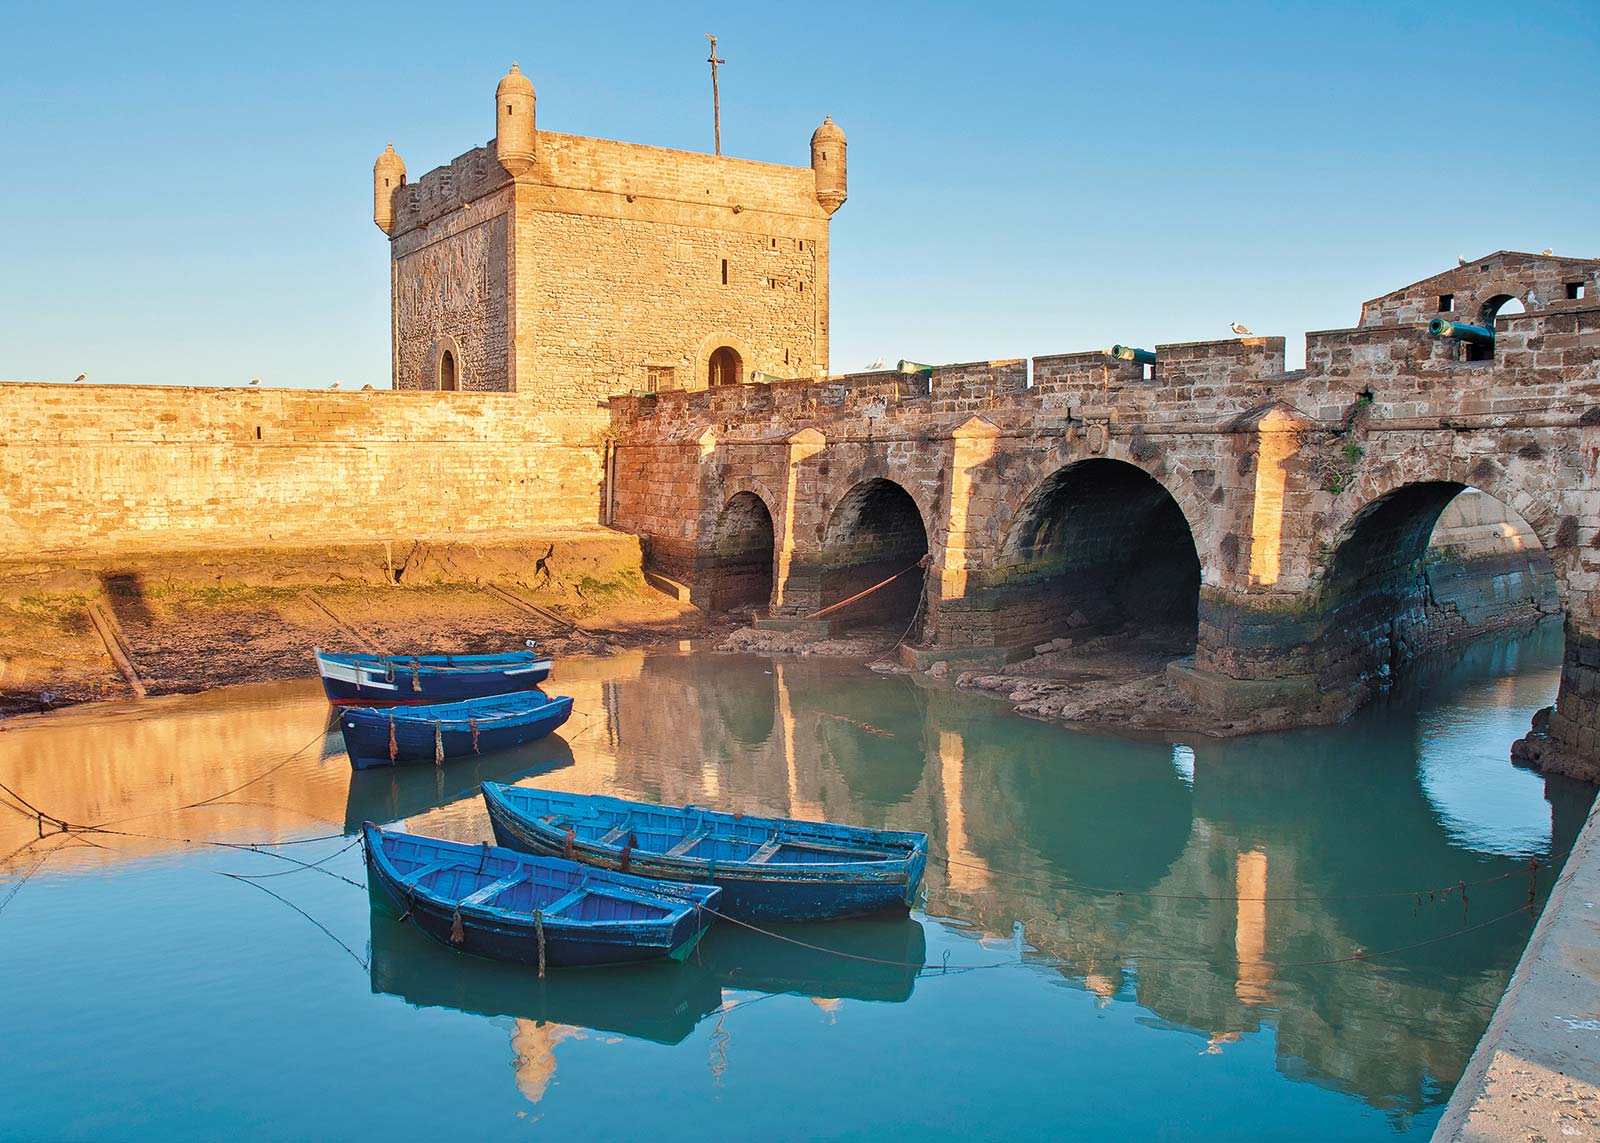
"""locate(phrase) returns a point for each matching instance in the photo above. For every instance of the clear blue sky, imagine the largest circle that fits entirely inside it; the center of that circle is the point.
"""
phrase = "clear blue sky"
(187, 190)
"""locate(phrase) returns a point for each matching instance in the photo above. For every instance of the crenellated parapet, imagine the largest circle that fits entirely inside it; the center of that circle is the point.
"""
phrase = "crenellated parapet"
(1284, 515)
(582, 267)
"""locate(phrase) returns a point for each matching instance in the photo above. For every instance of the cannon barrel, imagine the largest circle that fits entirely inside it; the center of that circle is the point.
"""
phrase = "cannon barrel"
(1129, 353)
(1440, 327)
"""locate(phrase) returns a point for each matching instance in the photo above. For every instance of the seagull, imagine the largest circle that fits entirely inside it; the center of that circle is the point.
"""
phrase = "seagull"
(1547, 251)
(366, 388)
(335, 385)
(1239, 329)
(1461, 260)
(877, 364)
(255, 380)
(81, 377)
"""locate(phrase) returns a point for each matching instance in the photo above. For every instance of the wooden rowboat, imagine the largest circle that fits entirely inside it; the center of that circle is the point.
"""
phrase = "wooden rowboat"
(386, 680)
(399, 736)
(773, 869)
(532, 910)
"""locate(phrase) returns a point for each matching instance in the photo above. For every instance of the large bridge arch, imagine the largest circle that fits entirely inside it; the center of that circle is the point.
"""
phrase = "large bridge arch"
(742, 562)
(876, 530)
(1377, 601)
(1091, 546)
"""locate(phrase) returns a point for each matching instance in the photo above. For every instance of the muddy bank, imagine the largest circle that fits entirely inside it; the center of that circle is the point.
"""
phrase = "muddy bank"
(73, 630)
(1117, 680)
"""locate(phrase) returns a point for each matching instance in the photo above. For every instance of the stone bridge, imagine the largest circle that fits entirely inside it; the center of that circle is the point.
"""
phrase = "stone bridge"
(1281, 517)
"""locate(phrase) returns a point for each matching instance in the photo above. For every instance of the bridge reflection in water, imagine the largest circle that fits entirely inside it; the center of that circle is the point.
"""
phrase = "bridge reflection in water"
(1208, 882)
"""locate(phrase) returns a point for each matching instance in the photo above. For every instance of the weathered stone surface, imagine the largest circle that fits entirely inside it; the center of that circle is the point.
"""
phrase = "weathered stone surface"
(1306, 499)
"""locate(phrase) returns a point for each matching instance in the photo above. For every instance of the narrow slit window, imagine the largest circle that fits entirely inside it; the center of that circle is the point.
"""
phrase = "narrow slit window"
(724, 271)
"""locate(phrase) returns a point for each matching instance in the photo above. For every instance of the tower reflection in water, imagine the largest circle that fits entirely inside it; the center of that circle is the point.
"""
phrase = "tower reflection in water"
(1191, 880)
(1202, 881)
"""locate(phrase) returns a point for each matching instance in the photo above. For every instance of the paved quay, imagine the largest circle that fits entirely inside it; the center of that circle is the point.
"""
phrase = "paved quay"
(1535, 1077)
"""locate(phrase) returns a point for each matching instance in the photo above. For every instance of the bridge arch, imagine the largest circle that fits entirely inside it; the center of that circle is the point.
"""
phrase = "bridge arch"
(876, 530)
(1385, 591)
(744, 548)
(1096, 545)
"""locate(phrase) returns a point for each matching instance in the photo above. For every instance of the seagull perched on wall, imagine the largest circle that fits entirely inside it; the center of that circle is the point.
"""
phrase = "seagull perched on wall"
(335, 385)
(877, 364)
(1239, 329)
(255, 380)
(1461, 259)
(81, 377)
(1547, 251)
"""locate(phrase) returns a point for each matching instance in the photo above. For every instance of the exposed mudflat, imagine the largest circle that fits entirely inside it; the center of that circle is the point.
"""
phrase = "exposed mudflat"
(1110, 681)
(188, 626)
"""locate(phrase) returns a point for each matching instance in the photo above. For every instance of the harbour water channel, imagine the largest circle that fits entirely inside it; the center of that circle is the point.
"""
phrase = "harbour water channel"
(1161, 939)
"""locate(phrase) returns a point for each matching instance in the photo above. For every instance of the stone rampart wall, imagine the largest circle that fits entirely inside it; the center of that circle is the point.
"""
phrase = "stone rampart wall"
(107, 468)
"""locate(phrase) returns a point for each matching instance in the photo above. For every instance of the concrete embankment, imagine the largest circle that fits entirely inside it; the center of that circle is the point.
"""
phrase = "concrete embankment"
(1536, 1073)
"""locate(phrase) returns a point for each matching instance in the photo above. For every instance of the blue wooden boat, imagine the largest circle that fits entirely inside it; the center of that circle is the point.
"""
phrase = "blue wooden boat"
(399, 736)
(772, 869)
(384, 680)
(509, 906)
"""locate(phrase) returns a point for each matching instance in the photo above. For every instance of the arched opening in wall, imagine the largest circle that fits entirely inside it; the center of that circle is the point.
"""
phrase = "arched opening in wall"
(1099, 547)
(875, 532)
(1507, 305)
(448, 380)
(742, 573)
(1420, 568)
(724, 367)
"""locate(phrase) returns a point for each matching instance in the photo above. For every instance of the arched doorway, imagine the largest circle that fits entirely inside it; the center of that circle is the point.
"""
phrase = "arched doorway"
(725, 367)
(875, 532)
(448, 378)
(1098, 546)
(742, 574)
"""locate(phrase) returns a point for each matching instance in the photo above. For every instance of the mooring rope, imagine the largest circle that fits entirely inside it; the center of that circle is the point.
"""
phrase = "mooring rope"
(945, 967)
(921, 563)
(1436, 894)
(363, 962)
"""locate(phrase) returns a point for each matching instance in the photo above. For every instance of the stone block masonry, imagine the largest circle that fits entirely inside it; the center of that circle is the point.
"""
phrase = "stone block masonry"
(1092, 486)
(573, 268)
(103, 469)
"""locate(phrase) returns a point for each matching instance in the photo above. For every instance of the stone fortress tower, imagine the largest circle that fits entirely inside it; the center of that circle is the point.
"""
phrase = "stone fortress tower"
(573, 269)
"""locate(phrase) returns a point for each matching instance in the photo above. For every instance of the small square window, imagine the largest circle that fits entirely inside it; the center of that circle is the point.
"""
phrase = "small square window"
(1574, 291)
(1447, 303)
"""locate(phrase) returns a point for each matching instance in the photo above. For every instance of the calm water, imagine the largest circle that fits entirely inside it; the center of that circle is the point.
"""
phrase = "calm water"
(146, 997)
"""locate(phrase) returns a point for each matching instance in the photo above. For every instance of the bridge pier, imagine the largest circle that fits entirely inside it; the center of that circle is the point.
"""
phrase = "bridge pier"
(1565, 739)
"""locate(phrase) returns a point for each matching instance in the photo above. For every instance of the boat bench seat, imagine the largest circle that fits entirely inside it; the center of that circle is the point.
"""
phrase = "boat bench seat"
(561, 903)
(422, 871)
(687, 843)
(494, 888)
(618, 832)
(764, 854)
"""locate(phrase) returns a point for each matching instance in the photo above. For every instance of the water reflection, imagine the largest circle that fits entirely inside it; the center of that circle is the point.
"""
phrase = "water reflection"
(1207, 883)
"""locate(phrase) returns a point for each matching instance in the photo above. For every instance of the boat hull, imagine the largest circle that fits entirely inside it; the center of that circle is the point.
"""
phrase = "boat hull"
(390, 680)
(498, 935)
(755, 893)
(419, 736)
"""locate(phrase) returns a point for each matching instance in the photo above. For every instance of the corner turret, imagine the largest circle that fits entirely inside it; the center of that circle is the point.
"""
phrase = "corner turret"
(516, 138)
(827, 162)
(388, 176)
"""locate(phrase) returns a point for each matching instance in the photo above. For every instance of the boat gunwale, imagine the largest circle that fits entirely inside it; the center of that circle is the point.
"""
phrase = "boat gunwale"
(889, 870)
(413, 712)
(679, 904)
(484, 664)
